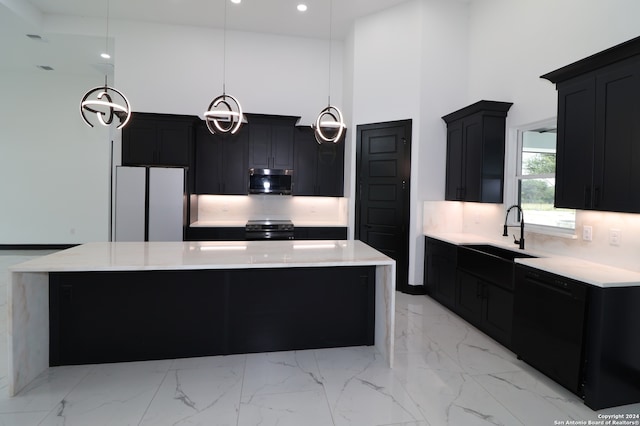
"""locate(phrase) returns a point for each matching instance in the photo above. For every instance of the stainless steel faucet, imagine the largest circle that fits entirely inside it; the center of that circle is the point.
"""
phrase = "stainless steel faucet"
(520, 242)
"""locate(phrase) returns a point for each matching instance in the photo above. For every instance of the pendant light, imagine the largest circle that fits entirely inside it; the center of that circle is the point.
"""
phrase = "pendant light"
(224, 114)
(105, 102)
(329, 125)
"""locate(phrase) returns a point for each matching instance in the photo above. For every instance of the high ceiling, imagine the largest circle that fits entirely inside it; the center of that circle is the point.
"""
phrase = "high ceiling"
(271, 16)
(68, 52)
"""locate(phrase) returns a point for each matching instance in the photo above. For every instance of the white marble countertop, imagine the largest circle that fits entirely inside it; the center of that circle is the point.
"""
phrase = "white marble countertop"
(138, 256)
(596, 274)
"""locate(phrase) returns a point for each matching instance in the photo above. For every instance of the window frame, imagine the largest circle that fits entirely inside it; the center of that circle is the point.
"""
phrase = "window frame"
(513, 161)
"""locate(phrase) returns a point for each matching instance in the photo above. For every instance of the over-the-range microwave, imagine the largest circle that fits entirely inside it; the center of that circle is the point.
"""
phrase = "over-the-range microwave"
(270, 181)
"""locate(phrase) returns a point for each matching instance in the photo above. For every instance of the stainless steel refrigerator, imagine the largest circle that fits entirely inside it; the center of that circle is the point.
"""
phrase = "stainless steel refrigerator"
(150, 204)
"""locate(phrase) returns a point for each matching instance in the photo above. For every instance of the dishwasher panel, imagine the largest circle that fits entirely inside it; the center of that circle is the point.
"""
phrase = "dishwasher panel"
(549, 324)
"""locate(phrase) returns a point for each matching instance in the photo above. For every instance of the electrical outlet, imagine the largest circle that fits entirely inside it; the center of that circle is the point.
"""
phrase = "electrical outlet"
(587, 233)
(614, 237)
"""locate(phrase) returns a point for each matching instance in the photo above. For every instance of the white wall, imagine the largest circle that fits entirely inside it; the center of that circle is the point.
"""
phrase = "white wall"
(54, 169)
(410, 63)
(179, 70)
(512, 43)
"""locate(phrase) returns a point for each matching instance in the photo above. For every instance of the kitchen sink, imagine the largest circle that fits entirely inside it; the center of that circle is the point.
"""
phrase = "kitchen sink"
(500, 252)
(490, 263)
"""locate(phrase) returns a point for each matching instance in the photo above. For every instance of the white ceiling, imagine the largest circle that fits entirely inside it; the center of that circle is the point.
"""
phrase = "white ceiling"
(71, 52)
(270, 16)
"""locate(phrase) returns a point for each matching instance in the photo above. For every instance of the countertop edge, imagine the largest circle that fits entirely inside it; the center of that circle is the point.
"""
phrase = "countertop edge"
(105, 257)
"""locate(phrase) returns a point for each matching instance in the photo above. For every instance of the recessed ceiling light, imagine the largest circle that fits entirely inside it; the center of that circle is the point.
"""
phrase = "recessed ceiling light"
(236, 1)
(34, 36)
(302, 7)
(105, 55)
(45, 67)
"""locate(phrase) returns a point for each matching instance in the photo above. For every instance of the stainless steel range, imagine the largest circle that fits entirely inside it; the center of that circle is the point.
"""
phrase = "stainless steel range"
(269, 230)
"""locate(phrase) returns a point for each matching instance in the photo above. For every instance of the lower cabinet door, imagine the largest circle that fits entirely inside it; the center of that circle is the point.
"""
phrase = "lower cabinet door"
(497, 315)
(469, 297)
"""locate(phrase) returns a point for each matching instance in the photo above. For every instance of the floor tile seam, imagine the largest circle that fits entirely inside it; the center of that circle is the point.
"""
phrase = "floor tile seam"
(324, 388)
(409, 394)
(146, 410)
(239, 401)
(494, 397)
(255, 395)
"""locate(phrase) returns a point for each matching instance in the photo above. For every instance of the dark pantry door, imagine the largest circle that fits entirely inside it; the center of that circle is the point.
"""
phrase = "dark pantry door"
(382, 202)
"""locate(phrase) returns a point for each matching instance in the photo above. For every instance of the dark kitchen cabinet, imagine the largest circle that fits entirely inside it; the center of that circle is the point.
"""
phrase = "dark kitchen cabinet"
(583, 336)
(475, 152)
(271, 141)
(150, 315)
(221, 162)
(598, 158)
(440, 271)
(318, 168)
(320, 233)
(197, 233)
(158, 140)
(485, 305)
(469, 297)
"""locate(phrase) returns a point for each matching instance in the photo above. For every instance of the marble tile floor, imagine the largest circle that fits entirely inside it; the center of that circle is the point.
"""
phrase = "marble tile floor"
(446, 373)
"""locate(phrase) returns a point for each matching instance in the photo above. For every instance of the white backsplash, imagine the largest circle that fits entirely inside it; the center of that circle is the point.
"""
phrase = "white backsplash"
(303, 211)
(488, 220)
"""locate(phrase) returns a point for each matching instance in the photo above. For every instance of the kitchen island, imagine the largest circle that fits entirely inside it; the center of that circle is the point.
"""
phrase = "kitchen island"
(134, 301)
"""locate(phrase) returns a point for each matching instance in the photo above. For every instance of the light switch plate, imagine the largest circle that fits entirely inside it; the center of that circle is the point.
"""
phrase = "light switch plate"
(587, 233)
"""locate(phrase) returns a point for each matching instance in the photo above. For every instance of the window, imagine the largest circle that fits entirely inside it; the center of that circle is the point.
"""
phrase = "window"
(535, 176)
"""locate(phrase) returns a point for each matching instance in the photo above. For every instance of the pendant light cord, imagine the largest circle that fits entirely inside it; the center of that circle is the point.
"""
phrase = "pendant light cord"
(330, 38)
(224, 51)
(106, 47)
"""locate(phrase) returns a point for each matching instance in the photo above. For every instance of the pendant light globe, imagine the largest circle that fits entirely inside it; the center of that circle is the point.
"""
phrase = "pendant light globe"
(224, 114)
(107, 103)
(329, 126)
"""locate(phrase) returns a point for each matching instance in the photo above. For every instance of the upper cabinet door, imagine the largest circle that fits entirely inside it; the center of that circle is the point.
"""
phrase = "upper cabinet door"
(158, 140)
(617, 175)
(318, 168)
(475, 152)
(454, 187)
(306, 162)
(330, 175)
(271, 141)
(221, 162)
(208, 156)
(575, 143)
(235, 174)
(259, 146)
(598, 157)
(282, 147)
